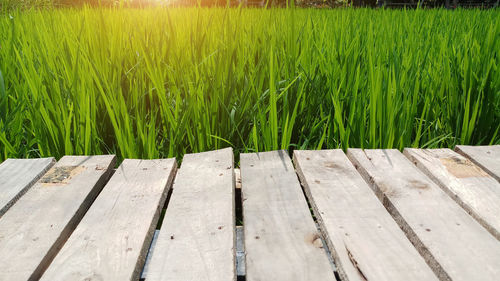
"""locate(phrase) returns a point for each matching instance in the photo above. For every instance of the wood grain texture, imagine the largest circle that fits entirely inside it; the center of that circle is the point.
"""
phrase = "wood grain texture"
(34, 229)
(366, 243)
(455, 245)
(112, 240)
(197, 237)
(486, 157)
(281, 239)
(17, 176)
(470, 186)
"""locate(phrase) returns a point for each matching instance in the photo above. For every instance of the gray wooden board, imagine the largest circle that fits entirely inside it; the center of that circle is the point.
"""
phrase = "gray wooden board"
(471, 187)
(455, 245)
(112, 240)
(486, 157)
(366, 243)
(34, 229)
(281, 239)
(240, 251)
(17, 176)
(197, 238)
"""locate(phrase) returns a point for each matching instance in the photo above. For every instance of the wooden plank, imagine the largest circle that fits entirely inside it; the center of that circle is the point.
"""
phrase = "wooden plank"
(455, 245)
(35, 228)
(470, 186)
(17, 176)
(197, 237)
(112, 240)
(240, 251)
(366, 243)
(486, 157)
(281, 239)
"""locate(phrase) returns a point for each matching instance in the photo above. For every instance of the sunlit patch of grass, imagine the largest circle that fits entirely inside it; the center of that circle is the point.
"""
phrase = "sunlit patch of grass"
(167, 81)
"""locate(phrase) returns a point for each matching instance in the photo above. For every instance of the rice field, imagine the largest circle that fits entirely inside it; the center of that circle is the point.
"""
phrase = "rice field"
(161, 82)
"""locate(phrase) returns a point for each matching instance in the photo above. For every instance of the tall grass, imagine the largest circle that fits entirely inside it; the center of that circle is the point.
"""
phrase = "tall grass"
(163, 82)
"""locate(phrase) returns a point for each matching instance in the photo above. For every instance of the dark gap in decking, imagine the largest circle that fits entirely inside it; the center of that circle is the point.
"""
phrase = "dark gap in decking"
(164, 209)
(238, 207)
(308, 203)
(239, 231)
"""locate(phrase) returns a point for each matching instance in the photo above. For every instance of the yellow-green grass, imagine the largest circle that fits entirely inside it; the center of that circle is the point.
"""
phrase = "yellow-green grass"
(161, 82)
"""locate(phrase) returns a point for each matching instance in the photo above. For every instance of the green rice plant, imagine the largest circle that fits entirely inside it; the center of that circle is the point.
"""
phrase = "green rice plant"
(161, 82)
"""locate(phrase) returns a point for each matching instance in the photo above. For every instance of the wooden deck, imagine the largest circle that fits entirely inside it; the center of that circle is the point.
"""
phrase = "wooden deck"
(420, 214)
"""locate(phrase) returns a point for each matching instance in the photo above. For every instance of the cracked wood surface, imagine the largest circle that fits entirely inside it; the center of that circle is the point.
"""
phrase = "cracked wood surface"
(365, 241)
(472, 188)
(197, 238)
(486, 157)
(281, 239)
(455, 245)
(17, 176)
(34, 229)
(112, 240)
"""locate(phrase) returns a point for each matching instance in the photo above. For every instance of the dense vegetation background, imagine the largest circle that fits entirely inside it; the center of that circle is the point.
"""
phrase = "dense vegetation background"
(162, 82)
(26, 4)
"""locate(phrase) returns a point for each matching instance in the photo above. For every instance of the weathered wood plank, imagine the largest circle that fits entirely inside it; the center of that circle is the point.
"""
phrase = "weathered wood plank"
(455, 245)
(470, 186)
(240, 251)
(34, 229)
(366, 243)
(17, 176)
(197, 237)
(281, 239)
(486, 157)
(112, 240)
